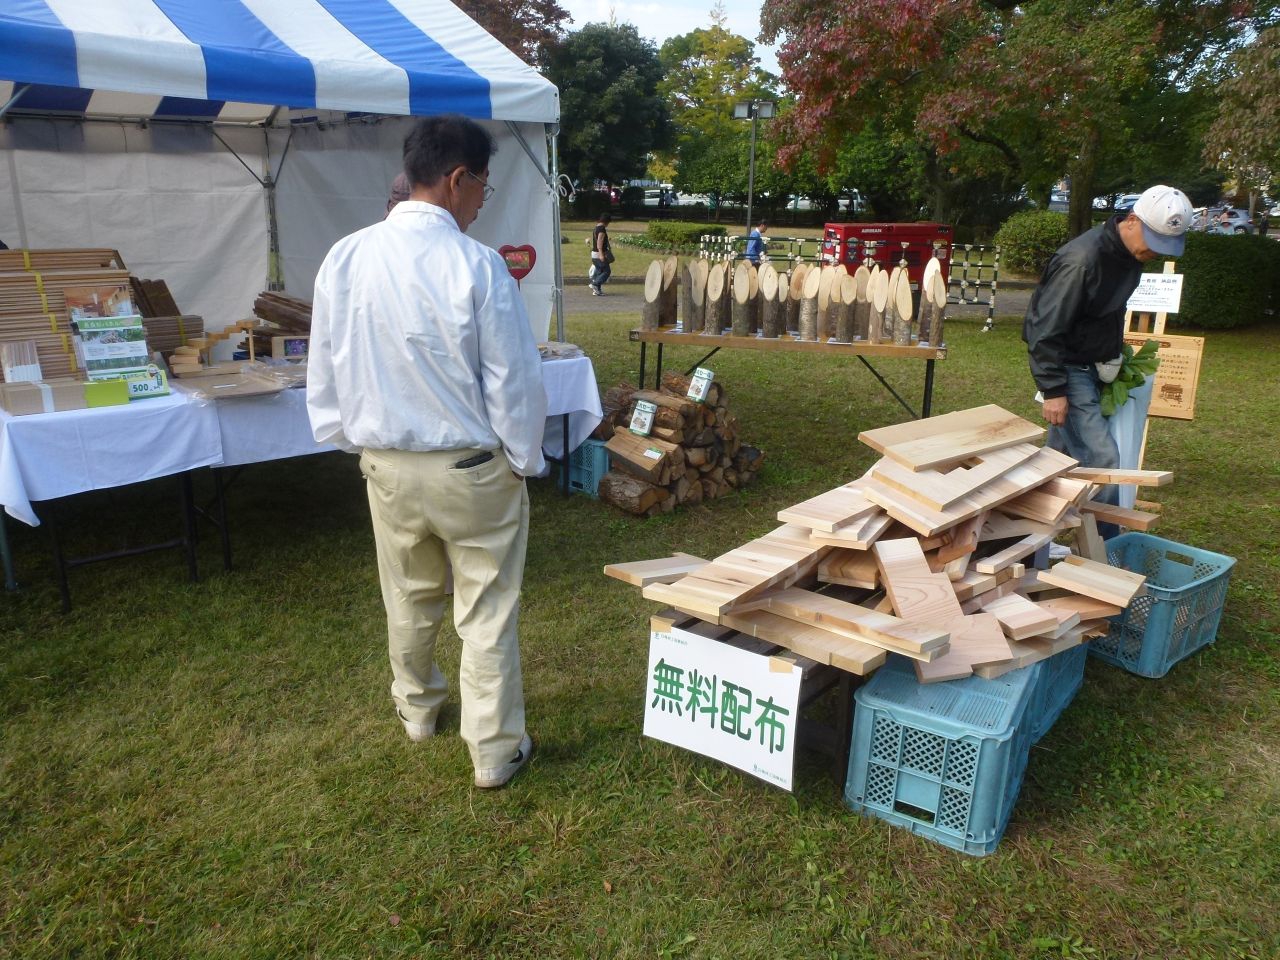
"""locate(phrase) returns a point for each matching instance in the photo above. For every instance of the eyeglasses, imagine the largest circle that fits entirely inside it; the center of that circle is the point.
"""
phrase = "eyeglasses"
(488, 190)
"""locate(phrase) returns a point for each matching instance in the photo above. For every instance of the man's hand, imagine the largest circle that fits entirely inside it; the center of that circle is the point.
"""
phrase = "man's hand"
(1055, 411)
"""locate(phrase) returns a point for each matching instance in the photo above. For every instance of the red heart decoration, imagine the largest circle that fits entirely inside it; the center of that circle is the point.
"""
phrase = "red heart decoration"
(520, 260)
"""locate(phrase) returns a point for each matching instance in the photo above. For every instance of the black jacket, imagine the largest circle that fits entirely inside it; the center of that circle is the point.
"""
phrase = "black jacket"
(1077, 312)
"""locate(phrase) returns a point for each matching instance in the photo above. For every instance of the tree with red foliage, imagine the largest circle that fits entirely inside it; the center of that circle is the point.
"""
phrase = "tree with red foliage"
(528, 28)
(1042, 87)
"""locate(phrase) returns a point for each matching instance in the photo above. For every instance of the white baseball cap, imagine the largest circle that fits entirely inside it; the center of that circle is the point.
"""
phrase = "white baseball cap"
(1166, 214)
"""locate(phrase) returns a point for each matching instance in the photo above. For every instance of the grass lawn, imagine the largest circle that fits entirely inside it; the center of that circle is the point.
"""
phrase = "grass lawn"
(215, 770)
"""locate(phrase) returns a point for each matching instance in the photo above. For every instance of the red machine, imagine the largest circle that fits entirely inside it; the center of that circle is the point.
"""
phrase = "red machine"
(888, 244)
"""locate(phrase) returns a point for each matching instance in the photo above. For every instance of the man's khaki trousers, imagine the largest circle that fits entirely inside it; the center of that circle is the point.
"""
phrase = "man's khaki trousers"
(428, 514)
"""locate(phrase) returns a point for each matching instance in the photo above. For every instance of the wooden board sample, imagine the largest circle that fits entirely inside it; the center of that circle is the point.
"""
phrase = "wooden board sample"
(1136, 478)
(999, 526)
(941, 488)
(918, 594)
(1177, 378)
(1133, 519)
(1086, 608)
(1044, 465)
(1019, 617)
(779, 558)
(831, 510)
(975, 639)
(641, 573)
(851, 568)
(850, 619)
(1098, 580)
(857, 535)
(845, 653)
(951, 437)
(1012, 554)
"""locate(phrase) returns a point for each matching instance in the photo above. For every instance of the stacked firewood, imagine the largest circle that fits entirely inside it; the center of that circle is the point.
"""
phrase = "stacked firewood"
(821, 302)
(284, 316)
(693, 452)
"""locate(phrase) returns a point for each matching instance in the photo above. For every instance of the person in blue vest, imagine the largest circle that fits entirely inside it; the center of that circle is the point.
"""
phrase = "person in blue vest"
(757, 242)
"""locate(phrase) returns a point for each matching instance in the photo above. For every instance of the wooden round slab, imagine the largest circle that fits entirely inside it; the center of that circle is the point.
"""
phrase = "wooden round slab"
(848, 289)
(753, 279)
(902, 296)
(930, 268)
(698, 279)
(939, 290)
(715, 281)
(827, 277)
(742, 282)
(861, 276)
(653, 282)
(812, 281)
(879, 291)
(669, 269)
(768, 282)
(796, 290)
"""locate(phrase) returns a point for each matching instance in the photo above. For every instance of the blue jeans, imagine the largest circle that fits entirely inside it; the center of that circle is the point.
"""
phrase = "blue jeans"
(600, 272)
(1085, 436)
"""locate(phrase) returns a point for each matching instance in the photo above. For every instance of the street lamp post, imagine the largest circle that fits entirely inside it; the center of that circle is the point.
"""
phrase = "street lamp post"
(752, 110)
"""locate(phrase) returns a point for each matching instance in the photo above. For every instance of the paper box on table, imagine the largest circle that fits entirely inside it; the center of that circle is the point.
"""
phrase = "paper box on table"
(43, 396)
(106, 393)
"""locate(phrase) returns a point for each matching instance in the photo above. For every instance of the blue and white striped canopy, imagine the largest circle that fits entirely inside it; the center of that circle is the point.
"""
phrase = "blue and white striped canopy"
(235, 60)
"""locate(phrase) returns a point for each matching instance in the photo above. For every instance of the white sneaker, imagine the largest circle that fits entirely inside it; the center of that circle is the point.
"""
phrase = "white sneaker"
(417, 731)
(492, 777)
(595, 291)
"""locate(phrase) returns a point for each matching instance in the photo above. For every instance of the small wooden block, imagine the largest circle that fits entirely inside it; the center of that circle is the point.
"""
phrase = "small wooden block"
(1019, 617)
(851, 568)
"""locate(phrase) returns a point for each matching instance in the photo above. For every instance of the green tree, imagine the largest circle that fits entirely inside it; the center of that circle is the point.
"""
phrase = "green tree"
(612, 116)
(705, 73)
(1244, 138)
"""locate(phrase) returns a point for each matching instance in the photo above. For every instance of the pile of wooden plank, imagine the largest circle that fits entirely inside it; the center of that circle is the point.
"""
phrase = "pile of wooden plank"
(821, 302)
(924, 555)
(693, 452)
(284, 316)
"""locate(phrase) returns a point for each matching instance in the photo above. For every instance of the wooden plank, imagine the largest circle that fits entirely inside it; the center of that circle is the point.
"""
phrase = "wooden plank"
(975, 639)
(845, 653)
(858, 535)
(1098, 580)
(779, 558)
(851, 568)
(1045, 465)
(974, 583)
(1137, 478)
(1000, 526)
(1019, 617)
(1012, 554)
(1067, 618)
(952, 437)
(1089, 541)
(1086, 608)
(850, 619)
(1133, 519)
(831, 510)
(641, 573)
(918, 594)
(962, 543)
(941, 488)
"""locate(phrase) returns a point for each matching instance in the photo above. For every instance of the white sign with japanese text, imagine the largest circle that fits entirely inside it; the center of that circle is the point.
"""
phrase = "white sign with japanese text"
(1157, 293)
(738, 707)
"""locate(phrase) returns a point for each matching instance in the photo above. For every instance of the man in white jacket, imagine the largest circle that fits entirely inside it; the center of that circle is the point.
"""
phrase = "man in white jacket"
(421, 358)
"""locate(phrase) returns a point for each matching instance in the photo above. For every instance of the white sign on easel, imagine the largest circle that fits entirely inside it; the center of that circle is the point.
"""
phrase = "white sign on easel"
(1157, 293)
(740, 708)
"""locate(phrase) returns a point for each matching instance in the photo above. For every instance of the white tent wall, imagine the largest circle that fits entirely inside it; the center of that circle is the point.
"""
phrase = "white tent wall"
(335, 180)
(177, 204)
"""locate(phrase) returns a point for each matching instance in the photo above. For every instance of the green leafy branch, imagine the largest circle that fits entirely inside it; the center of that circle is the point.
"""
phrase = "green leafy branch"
(1134, 370)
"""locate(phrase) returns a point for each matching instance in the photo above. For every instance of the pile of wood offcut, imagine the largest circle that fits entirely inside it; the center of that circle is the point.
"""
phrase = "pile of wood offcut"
(693, 452)
(924, 555)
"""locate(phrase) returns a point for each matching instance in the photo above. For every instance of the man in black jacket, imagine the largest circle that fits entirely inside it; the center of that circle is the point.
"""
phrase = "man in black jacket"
(1074, 326)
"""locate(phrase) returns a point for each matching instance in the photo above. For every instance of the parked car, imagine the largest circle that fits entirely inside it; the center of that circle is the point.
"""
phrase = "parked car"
(661, 198)
(1125, 202)
(1059, 200)
(1210, 220)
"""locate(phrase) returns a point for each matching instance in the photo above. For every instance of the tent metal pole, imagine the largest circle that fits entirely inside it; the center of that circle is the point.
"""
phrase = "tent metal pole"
(552, 178)
(17, 95)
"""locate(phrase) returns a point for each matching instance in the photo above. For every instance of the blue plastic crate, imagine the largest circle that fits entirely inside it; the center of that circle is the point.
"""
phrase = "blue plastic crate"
(1179, 613)
(944, 760)
(587, 465)
(1060, 678)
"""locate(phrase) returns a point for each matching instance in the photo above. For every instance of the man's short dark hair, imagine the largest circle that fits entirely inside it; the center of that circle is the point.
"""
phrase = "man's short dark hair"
(438, 145)
(763, 223)
(605, 218)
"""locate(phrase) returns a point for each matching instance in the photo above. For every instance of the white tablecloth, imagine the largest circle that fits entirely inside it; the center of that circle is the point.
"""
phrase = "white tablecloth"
(50, 455)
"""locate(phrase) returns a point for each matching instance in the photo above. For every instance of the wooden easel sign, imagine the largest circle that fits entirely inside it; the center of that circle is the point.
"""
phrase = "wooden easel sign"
(1173, 394)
